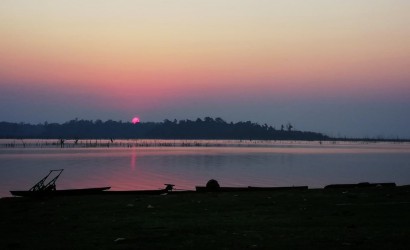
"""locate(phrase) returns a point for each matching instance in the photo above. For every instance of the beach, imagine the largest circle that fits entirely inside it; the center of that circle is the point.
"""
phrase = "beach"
(357, 218)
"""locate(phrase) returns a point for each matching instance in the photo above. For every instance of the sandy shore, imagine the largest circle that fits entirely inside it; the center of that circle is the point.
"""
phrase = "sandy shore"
(365, 218)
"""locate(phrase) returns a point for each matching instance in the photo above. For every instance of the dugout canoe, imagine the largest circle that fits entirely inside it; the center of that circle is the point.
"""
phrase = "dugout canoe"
(63, 192)
(249, 188)
(361, 185)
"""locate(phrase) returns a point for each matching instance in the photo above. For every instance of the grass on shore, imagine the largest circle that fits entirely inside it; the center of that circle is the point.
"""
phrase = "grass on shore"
(363, 218)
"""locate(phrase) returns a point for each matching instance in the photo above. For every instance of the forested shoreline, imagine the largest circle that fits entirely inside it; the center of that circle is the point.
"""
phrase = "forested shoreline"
(207, 128)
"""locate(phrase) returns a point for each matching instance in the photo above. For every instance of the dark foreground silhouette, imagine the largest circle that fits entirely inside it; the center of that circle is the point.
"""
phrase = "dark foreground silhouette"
(358, 218)
(207, 128)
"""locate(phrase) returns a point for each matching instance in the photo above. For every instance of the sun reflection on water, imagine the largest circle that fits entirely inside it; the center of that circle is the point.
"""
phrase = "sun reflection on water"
(133, 160)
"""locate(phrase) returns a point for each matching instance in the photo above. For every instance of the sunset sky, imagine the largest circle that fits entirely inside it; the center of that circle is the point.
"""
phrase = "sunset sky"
(341, 67)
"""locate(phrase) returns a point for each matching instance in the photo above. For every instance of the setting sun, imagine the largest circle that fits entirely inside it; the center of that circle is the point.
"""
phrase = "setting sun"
(135, 120)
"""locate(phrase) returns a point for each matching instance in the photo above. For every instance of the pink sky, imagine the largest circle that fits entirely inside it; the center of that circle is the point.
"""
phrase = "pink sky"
(166, 59)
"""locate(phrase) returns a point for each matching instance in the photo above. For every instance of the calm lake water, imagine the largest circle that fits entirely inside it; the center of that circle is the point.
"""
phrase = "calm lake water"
(232, 163)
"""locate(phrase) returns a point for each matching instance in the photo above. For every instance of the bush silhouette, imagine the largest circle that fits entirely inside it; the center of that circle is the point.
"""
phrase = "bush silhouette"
(212, 185)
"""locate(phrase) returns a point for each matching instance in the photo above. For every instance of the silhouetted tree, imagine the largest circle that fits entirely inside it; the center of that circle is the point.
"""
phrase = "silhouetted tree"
(208, 128)
(289, 126)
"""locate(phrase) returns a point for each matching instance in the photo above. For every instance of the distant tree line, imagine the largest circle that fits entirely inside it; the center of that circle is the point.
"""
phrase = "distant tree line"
(207, 128)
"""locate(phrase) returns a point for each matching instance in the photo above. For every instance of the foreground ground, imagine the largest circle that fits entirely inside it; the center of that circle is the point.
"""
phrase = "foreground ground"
(363, 218)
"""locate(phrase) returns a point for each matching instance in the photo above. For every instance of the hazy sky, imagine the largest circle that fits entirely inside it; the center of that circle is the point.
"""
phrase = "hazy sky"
(341, 67)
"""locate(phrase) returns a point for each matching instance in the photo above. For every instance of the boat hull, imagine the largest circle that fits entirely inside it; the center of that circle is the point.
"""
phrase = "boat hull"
(240, 189)
(64, 192)
(361, 185)
(137, 192)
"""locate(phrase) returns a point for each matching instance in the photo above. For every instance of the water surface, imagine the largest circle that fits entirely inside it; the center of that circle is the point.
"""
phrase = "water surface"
(262, 164)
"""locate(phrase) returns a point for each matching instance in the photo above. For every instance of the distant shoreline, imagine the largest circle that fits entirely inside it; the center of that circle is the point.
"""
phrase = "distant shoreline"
(140, 143)
(199, 129)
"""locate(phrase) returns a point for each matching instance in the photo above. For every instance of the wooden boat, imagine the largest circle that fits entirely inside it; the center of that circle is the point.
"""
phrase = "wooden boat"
(49, 189)
(137, 192)
(249, 188)
(361, 185)
(278, 188)
(168, 189)
(63, 192)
